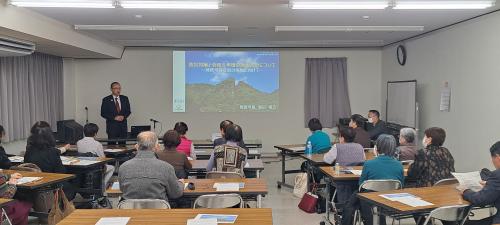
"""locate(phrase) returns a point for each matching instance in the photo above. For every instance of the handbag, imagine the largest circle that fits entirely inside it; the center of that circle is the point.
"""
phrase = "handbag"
(60, 209)
(309, 201)
(300, 187)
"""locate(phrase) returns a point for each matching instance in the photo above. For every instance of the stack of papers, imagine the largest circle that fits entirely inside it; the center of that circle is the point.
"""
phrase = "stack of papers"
(219, 217)
(469, 180)
(25, 180)
(227, 186)
(356, 172)
(16, 159)
(407, 199)
(113, 221)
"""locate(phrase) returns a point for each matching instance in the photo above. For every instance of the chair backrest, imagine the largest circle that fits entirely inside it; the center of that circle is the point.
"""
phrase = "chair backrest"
(29, 167)
(144, 204)
(380, 185)
(448, 181)
(218, 201)
(224, 175)
(456, 213)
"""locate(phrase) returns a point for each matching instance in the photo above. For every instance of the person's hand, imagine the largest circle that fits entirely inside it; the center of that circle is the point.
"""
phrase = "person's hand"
(482, 183)
(182, 181)
(13, 181)
(16, 176)
(461, 189)
(119, 118)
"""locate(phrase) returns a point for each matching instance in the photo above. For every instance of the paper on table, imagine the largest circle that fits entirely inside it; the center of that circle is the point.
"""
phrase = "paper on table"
(25, 180)
(220, 217)
(396, 196)
(253, 151)
(85, 162)
(16, 159)
(115, 186)
(356, 172)
(298, 149)
(212, 221)
(190, 159)
(247, 165)
(413, 202)
(469, 180)
(113, 150)
(227, 186)
(113, 221)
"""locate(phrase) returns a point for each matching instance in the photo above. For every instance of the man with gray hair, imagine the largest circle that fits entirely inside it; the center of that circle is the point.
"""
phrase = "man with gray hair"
(145, 176)
(408, 144)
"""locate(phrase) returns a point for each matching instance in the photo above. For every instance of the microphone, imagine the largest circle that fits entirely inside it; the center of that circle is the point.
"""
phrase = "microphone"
(86, 115)
(154, 121)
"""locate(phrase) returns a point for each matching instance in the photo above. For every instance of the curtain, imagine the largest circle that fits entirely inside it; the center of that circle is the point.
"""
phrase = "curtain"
(326, 96)
(31, 89)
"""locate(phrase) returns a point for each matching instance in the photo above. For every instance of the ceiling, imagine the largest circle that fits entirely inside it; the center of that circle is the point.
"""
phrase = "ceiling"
(251, 24)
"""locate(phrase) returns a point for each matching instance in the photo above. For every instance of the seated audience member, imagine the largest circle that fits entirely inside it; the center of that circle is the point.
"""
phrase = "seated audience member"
(434, 162)
(377, 125)
(18, 210)
(229, 157)
(41, 124)
(346, 153)
(41, 151)
(320, 141)
(384, 167)
(177, 159)
(489, 194)
(89, 145)
(186, 146)
(220, 141)
(4, 159)
(145, 176)
(407, 144)
(362, 137)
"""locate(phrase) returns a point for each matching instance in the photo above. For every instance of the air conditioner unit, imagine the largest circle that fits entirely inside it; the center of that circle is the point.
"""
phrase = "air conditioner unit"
(15, 47)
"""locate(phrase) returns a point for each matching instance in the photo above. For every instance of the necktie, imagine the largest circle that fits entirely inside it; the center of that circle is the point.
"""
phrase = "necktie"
(117, 105)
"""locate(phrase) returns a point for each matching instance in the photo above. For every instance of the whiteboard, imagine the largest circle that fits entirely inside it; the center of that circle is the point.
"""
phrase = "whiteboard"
(401, 103)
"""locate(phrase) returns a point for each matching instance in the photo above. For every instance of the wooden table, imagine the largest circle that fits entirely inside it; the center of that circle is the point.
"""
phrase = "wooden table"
(5, 201)
(48, 179)
(291, 151)
(440, 196)
(254, 165)
(342, 176)
(166, 216)
(254, 188)
(317, 159)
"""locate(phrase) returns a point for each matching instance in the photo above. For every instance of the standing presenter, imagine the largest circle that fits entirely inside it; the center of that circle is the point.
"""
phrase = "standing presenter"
(115, 108)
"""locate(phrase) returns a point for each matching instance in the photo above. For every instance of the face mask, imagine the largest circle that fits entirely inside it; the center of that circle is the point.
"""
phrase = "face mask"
(370, 120)
(375, 152)
(424, 142)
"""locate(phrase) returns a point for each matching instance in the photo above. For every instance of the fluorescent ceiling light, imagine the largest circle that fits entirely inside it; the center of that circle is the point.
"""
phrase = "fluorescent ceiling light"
(329, 43)
(348, 28)
(159, 4)
(443, 4)
(64, 3)
(302, 4)
(151, 28)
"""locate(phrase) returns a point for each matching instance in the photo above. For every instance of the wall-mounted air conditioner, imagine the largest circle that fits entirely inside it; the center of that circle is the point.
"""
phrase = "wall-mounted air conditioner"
(15, 47)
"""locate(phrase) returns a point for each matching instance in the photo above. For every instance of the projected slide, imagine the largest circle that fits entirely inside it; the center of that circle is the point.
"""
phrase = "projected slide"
(225, 81)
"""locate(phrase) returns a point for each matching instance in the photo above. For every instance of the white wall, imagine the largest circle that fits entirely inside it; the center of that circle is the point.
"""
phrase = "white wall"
(468, 57)
(146, 77)
(69, 88)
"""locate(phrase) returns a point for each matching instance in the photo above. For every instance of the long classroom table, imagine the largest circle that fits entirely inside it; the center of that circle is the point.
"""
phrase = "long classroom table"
(255, 188)
(291, 151)
(166, 216)
(253, 165)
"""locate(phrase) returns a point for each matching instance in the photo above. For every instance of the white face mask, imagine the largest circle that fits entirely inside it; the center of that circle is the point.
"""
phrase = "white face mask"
(424, 142)
(370, 120)
(375, 152)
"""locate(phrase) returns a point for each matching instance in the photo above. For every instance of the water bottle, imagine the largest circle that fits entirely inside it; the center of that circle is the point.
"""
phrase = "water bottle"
(337, 169)
(309, 148)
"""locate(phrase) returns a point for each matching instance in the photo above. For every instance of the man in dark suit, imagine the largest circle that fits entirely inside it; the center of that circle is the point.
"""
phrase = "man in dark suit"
(377, 126)
(115, 108)
(490, 194)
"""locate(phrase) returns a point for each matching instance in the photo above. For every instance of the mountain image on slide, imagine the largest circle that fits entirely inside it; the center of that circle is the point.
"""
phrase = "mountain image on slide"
(230, 95)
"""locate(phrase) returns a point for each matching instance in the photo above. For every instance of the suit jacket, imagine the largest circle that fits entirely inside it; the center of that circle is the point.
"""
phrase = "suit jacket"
(377, 129)
(488, 195)
(109, 112)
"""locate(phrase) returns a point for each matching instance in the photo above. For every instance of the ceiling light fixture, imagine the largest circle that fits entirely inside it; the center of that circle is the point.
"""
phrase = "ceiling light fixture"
(443, 4)
(318, 4)
(151, 28)
(152, 4)
(348, 28)
(64, 3)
